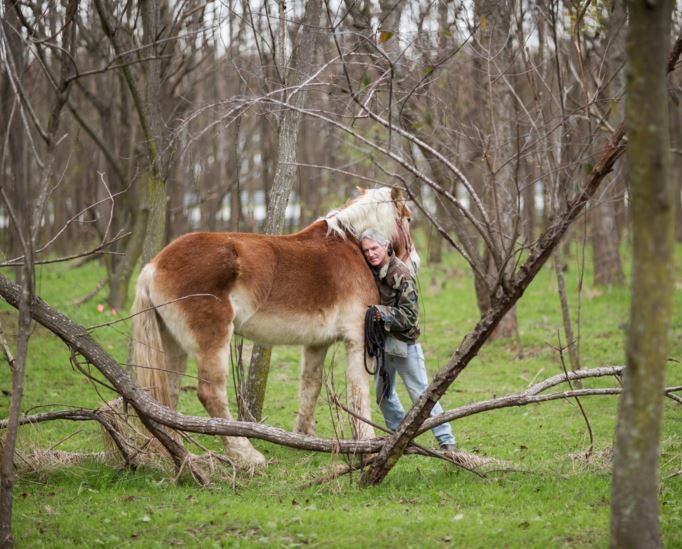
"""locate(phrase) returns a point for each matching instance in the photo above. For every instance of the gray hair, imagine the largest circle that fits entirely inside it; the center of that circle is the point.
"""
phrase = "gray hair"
(375, 235)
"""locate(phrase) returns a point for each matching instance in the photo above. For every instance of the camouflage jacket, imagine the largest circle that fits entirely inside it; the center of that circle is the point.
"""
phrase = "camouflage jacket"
(399, 306)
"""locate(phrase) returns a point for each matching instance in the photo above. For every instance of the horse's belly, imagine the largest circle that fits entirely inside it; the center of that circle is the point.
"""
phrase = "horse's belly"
(291, 329)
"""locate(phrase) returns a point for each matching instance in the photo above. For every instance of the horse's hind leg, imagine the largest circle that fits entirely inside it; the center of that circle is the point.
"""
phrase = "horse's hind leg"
(175, 362)
(312, 362)
(212, 365)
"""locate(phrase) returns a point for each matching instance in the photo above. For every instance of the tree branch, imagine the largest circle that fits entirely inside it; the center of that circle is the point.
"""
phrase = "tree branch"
(472, 343)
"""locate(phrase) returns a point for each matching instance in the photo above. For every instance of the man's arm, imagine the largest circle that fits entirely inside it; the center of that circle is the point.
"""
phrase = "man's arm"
(403, 317)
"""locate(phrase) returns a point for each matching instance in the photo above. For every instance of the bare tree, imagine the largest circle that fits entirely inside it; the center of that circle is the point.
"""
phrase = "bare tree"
(634, 503)
(27, 225)
(295, 74)
(605, 235)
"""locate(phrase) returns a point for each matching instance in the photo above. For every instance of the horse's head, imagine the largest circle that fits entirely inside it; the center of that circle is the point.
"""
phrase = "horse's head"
(402, 243)
(383, 209)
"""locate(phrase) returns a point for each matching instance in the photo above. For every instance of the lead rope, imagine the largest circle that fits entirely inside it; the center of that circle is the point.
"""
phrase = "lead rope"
(375, 345)
(375, 341)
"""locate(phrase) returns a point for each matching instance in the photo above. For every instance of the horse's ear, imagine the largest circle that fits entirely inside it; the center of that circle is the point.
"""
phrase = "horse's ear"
(361, 190)
(397, 195)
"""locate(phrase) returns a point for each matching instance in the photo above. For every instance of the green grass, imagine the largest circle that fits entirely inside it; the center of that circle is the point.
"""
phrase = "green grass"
(554, 499)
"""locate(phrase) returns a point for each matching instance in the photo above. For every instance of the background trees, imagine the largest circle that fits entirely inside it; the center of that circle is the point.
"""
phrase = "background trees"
(516, 98)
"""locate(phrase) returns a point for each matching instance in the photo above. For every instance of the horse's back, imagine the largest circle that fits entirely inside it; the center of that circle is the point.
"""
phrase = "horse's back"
(318, 290)
(294, 289)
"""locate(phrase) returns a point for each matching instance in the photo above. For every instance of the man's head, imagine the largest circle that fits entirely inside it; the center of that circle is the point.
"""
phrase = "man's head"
(375, 247)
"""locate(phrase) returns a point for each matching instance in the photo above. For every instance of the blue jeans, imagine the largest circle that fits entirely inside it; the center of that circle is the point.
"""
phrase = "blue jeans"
(413, 374)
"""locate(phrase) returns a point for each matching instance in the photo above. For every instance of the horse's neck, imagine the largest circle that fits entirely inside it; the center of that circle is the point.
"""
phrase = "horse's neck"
(317, 229)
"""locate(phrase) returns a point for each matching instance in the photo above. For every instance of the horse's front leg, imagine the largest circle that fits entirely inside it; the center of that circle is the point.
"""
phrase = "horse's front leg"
(212, 369)
(358, 383)
(312, 362)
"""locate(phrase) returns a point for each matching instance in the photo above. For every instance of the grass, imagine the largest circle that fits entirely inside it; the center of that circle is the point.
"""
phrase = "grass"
(555, 498)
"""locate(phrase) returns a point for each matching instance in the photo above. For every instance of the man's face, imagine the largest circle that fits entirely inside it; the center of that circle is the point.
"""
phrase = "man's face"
(375, 254)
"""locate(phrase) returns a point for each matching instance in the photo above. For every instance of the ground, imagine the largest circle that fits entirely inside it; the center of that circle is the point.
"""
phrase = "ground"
(553, 497)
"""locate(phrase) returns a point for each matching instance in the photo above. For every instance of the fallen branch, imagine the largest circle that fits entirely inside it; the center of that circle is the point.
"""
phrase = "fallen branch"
(158, 418)
(532, 396)
(414, 448)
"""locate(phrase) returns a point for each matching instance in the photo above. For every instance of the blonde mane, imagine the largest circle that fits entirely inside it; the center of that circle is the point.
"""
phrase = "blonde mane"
(373, 209)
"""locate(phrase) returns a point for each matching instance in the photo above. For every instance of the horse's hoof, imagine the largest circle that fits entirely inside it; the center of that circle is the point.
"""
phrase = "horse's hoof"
(257, 459)
(244, 454)
(305, 428)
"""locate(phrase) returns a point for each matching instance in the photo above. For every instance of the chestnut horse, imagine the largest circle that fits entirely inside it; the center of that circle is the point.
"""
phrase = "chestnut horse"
(310, 288)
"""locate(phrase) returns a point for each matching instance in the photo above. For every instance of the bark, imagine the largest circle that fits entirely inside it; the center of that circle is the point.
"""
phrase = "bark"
(675, 110)
(18, 368)
(153, 128)
(119, 279)
(285, 176)
(634, 503)
(472, 343)
(607, 266)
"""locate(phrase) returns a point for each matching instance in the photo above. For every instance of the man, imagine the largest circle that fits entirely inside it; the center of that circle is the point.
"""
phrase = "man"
(399, 314)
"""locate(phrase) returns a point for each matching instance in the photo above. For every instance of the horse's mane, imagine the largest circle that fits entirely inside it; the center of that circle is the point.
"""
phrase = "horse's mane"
(373, 209)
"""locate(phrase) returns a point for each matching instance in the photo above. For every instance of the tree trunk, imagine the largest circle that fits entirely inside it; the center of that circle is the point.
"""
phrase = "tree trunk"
(156, 182)
(119, 279)
(27, 227)
(285, 176)
(17, 366)
(148, 112)
(17, 181)
(495, 124)
(634, 504)
(605, 235)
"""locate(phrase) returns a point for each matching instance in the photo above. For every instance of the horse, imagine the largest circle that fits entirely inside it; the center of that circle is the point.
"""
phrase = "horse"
(309, 288)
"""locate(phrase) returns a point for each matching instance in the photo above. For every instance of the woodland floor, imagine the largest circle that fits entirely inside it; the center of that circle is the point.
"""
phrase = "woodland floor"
(553, 498)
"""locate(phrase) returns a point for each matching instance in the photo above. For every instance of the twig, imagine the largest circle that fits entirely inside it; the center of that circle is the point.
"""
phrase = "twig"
(153, 308)
(570, 384)
(5, 348)
(87, 297)
(78, 414)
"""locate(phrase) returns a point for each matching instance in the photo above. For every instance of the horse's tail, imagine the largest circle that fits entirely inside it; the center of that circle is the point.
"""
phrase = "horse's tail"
(147, 352)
